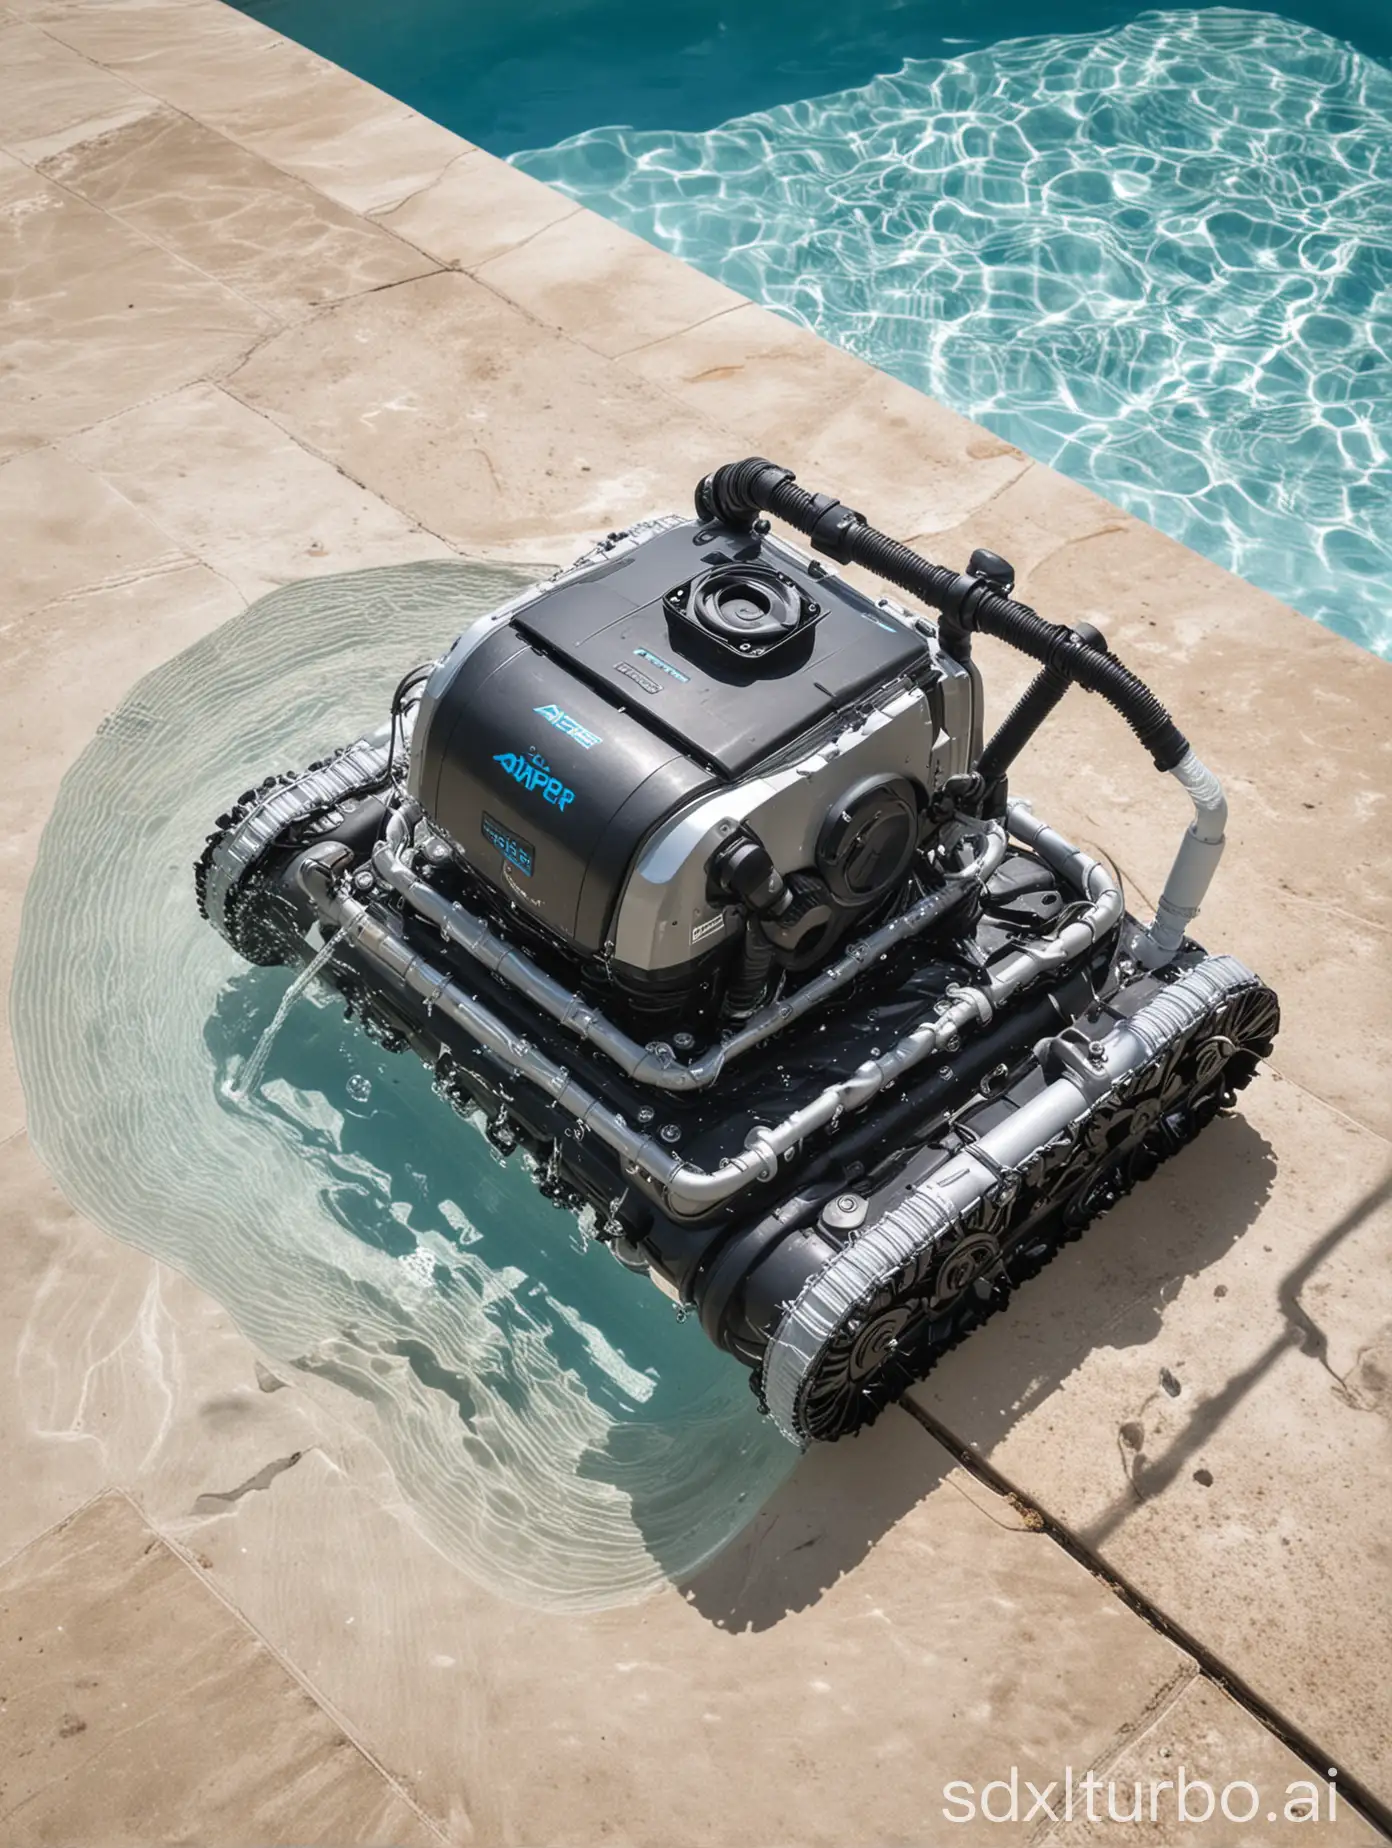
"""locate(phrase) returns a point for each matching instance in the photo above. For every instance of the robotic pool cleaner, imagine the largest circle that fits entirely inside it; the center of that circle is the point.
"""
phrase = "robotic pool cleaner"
(688, 870)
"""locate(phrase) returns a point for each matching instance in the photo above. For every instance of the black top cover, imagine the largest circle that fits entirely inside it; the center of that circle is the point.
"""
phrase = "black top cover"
(557, 745)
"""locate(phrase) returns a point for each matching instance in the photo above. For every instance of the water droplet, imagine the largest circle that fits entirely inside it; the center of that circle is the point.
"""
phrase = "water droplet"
(359, 1088)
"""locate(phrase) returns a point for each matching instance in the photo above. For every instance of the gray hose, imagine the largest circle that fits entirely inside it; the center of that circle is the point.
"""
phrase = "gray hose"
(1194, 865)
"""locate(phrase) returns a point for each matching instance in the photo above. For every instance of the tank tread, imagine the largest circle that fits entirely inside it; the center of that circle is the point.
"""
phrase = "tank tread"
(240, 904)
(831, 1368)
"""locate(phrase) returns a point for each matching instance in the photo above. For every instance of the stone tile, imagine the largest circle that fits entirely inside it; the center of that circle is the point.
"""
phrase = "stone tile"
(22, 192)
(909, 464)
(604, 286)
(766, 378)
(360, 147)
(70, 532)
(50, 96)
(873, 1634)
(99, 318)
(139, 1709)
(120, 1370)
(236, 491)
(1197, 1389)
(477, 209)
(498, 435)
(1217, 1743)
(233, 215)
(1029, 520)
(66, 667)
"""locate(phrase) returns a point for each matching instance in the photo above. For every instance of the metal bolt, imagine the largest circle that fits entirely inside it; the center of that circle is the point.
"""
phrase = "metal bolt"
(646, 1113)
(683, 1041)
(670, 1132)
(363, 880)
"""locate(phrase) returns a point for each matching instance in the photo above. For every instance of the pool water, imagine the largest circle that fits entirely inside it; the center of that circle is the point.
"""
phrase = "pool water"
(550, 1424)
(1153, 249)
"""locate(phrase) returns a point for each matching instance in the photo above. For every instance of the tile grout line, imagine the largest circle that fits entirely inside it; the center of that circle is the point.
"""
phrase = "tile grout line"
(325, 1705)
(10, 1559)
(282, 324)
(377, 213)
(125, 74)
(1164, 1700)
(156, 243)
(1209, 1665)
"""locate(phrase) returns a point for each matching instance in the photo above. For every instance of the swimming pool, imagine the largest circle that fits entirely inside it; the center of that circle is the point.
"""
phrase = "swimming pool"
(1153, 249)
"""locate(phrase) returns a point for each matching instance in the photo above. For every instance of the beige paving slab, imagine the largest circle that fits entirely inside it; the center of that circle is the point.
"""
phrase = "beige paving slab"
(874, 1633)
(51, 95)
(885, 1624)
(832, 418)
(1232, 1768)
(927, 467)
(754, 372)
(98, 318)
(90, 646)
(497, 434)
(121, 1370)
(605, 286)
(358, 146)
(1168, 1390)
(139, 1709)
(229, 486)
(477, 209)
(1034, 516)
(232, 214)
(69, 531)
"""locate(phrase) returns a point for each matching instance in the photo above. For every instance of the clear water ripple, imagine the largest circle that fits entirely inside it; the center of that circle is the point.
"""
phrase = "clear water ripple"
(548, 1424)
(1159, 259)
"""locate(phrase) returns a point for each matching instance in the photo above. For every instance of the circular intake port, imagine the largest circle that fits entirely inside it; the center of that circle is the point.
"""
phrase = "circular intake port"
(746, 603)
(868, 839)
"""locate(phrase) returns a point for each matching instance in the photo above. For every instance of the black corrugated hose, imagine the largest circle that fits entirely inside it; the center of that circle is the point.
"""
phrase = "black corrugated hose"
(737, 493)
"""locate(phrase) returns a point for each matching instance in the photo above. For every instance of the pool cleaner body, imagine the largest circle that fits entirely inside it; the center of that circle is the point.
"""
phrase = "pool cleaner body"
(691, 876)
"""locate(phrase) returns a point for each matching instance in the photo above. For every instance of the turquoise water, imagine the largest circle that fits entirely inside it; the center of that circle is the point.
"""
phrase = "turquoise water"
(1153, 249)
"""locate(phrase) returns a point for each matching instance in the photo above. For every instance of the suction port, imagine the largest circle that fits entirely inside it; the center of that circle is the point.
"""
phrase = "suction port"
(868, 840)
(748, 609)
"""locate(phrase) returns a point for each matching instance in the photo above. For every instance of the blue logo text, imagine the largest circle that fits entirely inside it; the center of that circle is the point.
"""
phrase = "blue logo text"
(534, 773)
(586, 739)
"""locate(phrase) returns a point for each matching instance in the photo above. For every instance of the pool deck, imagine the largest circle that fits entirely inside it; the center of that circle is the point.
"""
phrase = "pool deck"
(263, 322)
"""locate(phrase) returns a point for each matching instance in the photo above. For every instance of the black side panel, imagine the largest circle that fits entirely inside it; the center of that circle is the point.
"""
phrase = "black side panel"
(547, 787)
